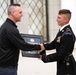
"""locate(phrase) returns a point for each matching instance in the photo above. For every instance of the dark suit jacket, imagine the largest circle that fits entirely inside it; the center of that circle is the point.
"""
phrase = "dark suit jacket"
(64, 45)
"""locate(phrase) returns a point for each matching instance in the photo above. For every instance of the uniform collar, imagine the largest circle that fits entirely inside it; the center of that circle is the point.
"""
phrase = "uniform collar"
(63, 27)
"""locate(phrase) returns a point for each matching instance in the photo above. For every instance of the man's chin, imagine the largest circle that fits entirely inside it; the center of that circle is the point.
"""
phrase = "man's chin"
(18, 20)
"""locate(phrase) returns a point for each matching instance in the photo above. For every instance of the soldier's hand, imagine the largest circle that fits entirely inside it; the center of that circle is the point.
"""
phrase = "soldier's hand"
(40, 58)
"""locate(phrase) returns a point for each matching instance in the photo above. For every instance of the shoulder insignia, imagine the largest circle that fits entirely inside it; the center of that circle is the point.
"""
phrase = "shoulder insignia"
(68, 29)
(67, 33)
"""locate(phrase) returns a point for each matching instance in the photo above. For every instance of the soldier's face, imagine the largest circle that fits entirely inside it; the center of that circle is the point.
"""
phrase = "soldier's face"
(61, 19)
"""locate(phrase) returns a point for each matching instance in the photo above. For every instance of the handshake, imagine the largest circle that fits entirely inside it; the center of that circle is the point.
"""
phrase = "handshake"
(42, 51)
(42, 55)
(42, 48)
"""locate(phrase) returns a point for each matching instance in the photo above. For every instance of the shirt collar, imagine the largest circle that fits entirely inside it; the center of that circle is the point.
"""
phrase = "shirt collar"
(63, 26)
(12, 23)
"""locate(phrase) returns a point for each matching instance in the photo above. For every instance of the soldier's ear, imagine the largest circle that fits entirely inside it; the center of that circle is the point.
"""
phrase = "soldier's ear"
(66, 20)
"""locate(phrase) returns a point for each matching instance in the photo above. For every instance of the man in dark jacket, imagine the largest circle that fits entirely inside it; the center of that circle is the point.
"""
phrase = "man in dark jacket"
(64, 45)
(11, 42)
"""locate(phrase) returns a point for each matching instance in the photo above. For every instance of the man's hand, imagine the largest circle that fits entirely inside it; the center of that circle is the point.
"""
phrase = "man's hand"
(42, 48)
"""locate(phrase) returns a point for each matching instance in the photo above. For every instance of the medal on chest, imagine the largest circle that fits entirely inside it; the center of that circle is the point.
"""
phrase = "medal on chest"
(58, 39)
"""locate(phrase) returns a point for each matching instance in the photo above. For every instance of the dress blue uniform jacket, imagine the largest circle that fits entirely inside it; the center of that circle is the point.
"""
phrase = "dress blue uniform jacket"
(64, 45)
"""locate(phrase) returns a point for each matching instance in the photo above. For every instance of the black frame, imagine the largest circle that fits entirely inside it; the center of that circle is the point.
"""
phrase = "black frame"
(34, 39)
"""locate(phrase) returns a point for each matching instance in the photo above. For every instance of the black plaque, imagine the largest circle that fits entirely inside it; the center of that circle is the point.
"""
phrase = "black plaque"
(32, 39)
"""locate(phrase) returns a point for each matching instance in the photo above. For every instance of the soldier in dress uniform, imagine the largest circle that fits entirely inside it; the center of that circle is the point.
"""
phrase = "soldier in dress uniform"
(64, 45)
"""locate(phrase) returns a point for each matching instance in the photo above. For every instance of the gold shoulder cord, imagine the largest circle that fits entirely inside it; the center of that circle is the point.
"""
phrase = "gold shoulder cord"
(67, 31)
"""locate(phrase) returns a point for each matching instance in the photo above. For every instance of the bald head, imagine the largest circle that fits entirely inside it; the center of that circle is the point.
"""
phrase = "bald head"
(15, 12)
(12, 8)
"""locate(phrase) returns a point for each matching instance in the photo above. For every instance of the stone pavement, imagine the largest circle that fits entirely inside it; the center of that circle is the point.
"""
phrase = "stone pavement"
(34, 66)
